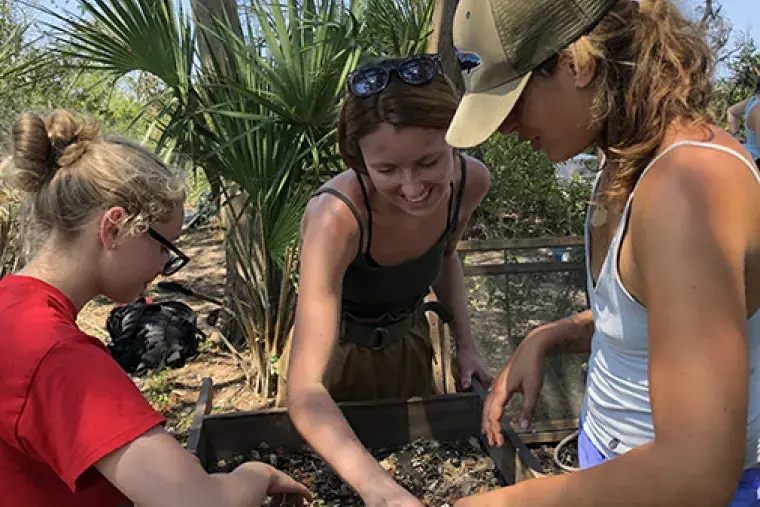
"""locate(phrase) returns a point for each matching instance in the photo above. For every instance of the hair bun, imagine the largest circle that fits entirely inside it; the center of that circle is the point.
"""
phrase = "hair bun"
(69, 137)
(40, 147)
(31, 154)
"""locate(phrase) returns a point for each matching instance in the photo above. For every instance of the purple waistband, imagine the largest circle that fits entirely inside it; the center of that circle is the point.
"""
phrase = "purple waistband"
(747, 493)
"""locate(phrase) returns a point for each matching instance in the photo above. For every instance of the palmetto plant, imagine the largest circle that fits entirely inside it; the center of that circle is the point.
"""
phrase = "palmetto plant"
(262, 114)
(11, 45)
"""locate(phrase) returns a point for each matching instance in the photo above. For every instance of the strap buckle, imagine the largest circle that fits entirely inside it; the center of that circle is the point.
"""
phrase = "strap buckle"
(377, 338)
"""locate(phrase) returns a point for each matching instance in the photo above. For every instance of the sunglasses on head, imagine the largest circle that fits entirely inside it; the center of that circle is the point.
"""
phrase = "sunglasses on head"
(177, 258)
(374, 78)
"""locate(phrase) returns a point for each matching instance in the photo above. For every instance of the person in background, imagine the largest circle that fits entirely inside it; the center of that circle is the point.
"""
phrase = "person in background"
(74, 428)
(671, 413)
(748, 111)
(375, 239)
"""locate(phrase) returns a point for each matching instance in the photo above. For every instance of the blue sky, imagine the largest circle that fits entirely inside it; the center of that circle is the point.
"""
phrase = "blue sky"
(744, 14)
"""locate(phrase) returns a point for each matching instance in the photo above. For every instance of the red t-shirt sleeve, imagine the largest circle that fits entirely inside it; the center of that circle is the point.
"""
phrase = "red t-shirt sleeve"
(81, 406)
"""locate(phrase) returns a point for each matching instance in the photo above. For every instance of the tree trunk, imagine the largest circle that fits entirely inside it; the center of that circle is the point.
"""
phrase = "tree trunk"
(441, 40)
(204, 12)
(432, 42)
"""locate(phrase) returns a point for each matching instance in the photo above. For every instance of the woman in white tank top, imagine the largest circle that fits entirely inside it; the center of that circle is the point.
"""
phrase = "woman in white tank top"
(747, 111)
(671, 414)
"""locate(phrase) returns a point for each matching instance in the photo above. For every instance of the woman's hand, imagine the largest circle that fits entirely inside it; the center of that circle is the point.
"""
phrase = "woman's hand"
(395, 496)
(524, 373)
(470, 363)
(280, 485)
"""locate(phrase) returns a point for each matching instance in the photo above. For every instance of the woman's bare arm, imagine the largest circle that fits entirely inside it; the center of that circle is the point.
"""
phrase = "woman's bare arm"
(449, 287)
(734, 116)
(155, 471)
(330, 241)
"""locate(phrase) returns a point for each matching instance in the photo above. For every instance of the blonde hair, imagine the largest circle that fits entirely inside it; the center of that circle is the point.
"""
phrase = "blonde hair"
(69, 171)
(653, 66)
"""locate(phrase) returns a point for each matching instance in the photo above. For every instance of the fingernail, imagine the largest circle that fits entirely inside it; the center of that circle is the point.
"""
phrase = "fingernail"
(524, 424)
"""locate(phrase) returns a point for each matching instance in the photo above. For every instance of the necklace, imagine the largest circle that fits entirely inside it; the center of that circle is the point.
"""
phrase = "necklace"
(599, 216)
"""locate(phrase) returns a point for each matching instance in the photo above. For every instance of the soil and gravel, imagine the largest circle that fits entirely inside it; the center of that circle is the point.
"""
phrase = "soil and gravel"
(437, 472)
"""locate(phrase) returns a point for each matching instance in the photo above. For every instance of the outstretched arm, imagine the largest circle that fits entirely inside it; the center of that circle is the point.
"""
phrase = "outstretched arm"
(112, 428)
(330, 239)
(449, 287)
(154, 470)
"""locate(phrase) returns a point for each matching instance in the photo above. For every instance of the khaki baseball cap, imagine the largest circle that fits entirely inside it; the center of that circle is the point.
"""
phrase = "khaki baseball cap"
(499, 43)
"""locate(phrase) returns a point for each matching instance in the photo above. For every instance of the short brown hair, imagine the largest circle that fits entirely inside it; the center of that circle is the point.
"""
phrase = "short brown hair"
(431, 105)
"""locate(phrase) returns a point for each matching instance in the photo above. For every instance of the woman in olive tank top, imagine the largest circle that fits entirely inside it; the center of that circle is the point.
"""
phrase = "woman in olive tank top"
(375, 240)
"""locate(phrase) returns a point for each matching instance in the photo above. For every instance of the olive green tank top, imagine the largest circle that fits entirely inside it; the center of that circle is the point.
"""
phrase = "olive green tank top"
(371, 290)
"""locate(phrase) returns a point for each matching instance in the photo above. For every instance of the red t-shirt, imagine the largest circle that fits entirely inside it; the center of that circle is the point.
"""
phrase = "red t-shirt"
(64, 403)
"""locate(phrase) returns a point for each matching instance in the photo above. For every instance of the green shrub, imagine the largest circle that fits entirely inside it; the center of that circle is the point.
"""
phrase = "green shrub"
(526, 199)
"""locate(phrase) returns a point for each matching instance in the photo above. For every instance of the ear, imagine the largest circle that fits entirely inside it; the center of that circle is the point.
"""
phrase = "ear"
(111, 227)
(584, 73)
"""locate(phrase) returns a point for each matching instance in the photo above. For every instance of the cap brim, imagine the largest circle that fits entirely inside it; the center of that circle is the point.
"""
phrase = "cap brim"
(480, 113)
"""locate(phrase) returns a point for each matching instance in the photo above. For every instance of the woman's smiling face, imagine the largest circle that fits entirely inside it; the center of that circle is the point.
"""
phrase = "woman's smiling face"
(410, 167)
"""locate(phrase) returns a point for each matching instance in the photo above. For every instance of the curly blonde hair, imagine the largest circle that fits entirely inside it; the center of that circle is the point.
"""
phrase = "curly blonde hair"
(69, 171)
(653, 67)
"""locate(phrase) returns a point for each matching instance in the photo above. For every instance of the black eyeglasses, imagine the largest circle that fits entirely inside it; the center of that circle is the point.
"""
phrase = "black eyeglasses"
(176, 261)
(374, 78)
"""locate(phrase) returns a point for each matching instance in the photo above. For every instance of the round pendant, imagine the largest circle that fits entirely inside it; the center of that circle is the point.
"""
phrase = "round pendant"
(598, 217)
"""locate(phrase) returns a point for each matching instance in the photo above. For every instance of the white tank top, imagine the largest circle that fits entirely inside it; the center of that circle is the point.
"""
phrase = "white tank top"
(616, 413)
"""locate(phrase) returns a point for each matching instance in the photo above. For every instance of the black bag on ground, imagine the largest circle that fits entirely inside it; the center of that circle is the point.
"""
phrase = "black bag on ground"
(147, 337)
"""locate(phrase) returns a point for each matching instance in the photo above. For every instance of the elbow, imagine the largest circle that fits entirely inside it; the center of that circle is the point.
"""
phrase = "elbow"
(726, 475)
(294, 400)
(709, 474)
(298, 410)
(717, 489)
(299, 396)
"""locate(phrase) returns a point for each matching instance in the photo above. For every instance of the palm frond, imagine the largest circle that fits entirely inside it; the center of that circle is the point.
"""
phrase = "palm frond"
(393, 28)
(261, 111)
(122, 36)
